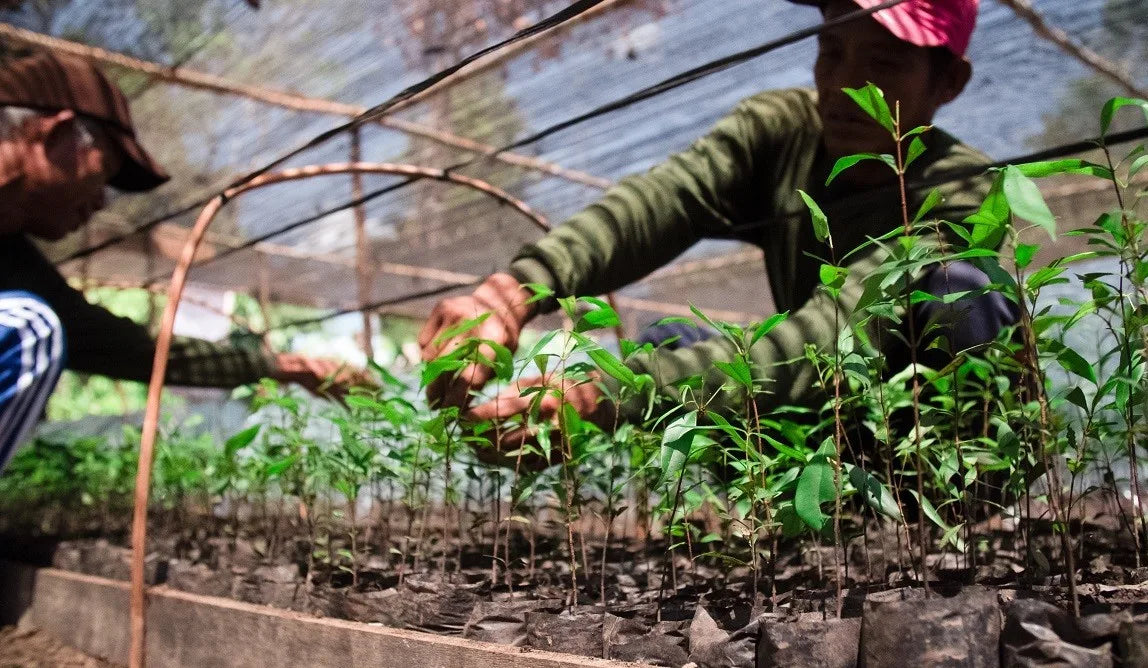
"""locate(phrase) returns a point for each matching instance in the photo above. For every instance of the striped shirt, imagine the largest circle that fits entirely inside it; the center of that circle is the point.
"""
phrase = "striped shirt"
(31, 357)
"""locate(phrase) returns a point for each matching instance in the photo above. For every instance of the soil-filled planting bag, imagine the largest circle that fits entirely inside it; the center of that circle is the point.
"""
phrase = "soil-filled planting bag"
(963, 630)
(832, 643)
(1134, 645)
(199, 579)
(566, 632)
(663, 644)
(1039, 634)
(504, 622)
(713, 647)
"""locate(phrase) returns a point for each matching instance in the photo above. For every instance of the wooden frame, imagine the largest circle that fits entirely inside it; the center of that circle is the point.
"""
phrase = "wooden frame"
(90, 614)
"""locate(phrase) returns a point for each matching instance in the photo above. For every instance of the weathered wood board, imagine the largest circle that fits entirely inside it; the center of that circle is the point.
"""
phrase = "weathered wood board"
(91, 614)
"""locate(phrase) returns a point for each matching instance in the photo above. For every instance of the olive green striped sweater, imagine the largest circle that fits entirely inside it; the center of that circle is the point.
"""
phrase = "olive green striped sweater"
(740, 181)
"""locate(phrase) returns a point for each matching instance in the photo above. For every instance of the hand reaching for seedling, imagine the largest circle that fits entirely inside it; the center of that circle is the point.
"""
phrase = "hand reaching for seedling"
(515, 405)
(319, 376)
(506, 301)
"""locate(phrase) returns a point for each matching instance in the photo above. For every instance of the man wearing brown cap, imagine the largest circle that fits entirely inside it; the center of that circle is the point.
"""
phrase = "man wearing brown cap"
(66, 134)
(748, 170)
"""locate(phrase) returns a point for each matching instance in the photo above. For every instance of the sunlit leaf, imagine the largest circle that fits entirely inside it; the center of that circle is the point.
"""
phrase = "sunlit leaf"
(738, 370)
(1024, 254)
(677, 441)
(1025, 200)
(241, 440)
(1036, 170)
(916, 148)
(848, 161)
(767, 326)
(1114, 105)
(931, 201)
(872, 101)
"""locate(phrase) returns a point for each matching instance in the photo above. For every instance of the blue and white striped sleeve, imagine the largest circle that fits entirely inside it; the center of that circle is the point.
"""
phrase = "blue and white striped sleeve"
(31, 358)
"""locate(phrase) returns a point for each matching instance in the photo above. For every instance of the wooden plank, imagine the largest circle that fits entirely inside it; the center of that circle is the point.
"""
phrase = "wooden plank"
(91, 614)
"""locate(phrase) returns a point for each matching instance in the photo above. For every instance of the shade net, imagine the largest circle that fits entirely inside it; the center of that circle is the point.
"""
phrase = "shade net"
(1025, 94)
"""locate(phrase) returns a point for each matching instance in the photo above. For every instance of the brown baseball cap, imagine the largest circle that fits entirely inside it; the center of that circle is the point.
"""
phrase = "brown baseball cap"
(54, 83)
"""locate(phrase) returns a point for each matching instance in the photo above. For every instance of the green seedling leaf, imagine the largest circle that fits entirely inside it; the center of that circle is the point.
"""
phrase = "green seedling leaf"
(930, 511)
(833, 277)
(1025, 200)
(820, 222)
(737, 370)
(953, 537)
(1035, 170)
(767, 326)
(931, 201)
(677, 441)
(1114, 105)
(919, 296)
(989, 221)
(240, 441)
(611, 366)
(875, 494)
(438, 367)
(916, 148)
(1072, 361)
(278, 467)
(728, 429)
(388, 377)
(1137, 165)
(1024, 254)
(848, 161)
(503, 362)
(600, 317)
(872, 101)
(1076, 397)
(540, 290)
(814, 486)
(461, 328)
(363, 403)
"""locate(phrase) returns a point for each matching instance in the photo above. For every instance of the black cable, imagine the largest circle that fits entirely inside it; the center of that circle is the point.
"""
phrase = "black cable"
(377, 111)
(939, 179)
(690, 76)
(953, 175)
(576, 8)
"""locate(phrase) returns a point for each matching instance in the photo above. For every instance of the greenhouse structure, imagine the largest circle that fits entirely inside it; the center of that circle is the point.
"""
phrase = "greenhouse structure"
(702, 333)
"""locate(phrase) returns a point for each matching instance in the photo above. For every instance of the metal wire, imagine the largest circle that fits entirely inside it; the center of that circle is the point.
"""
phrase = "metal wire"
(664, 86)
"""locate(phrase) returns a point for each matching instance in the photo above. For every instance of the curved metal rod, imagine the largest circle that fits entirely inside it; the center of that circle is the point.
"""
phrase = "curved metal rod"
(163, 341)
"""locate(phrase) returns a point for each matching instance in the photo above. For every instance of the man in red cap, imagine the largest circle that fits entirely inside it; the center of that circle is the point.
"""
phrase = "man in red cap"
(748, 169)
(66, 134)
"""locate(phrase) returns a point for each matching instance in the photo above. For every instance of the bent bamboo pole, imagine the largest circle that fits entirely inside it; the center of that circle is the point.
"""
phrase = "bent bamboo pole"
(163, 342)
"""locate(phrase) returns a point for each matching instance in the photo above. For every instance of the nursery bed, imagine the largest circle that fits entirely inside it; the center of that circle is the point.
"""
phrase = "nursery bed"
(250, 622)
(89, 613)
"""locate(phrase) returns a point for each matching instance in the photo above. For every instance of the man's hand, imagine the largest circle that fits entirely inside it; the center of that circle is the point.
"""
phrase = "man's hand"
(321, 377)
(506, 301)
(585, 397)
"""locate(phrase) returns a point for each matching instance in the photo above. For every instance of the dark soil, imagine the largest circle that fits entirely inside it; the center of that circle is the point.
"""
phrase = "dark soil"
(675, 613)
